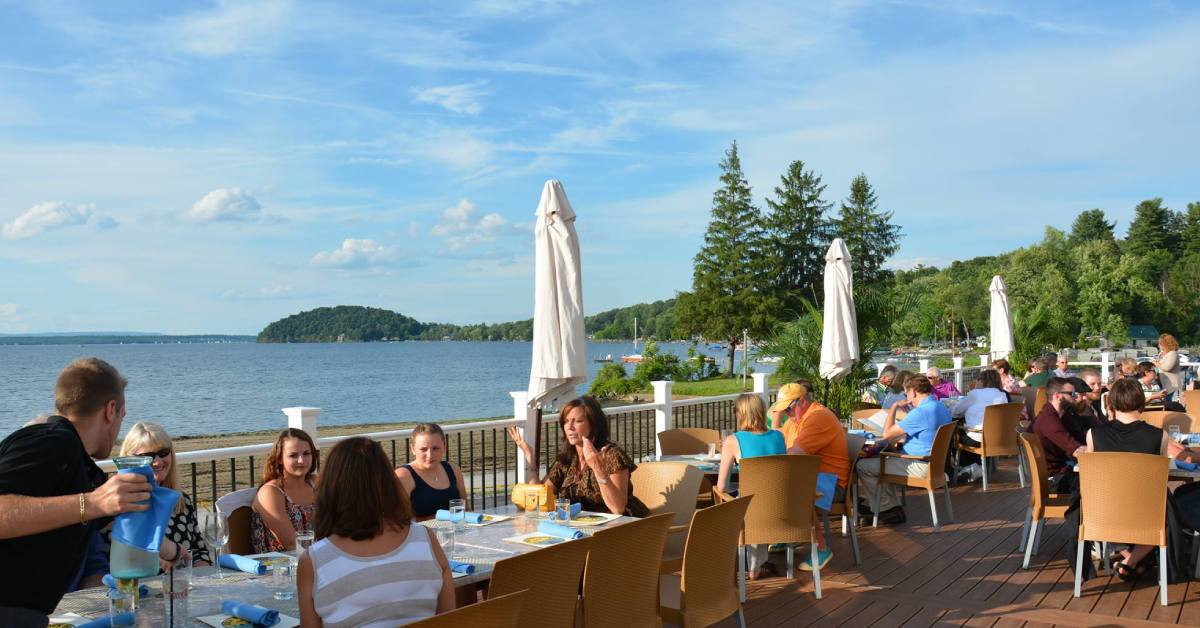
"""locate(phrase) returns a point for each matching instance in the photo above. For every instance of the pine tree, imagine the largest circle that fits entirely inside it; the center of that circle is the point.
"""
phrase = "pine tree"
(728, 277)
(799, 232)
(869, 233)
(1152, 229)
(1191, 229)
(1091, 225)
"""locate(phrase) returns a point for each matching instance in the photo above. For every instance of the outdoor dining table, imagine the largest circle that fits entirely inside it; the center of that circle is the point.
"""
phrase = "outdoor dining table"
(481, 546)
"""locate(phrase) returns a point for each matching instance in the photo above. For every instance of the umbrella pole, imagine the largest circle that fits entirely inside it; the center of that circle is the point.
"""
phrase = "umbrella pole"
(825, 397)
(537, 446)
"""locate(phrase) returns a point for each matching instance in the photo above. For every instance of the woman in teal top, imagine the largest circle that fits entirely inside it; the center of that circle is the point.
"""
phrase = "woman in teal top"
(752, 439)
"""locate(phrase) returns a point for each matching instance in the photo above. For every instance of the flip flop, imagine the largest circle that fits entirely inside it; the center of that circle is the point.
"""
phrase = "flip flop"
(823, 555)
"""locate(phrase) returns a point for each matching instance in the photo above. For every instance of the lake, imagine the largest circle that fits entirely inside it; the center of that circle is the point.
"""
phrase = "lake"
(196, 389)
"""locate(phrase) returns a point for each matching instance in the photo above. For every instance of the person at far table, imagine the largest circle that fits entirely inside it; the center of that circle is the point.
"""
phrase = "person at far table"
(590, 470)
(370, 565)
(1009, 383)
(987, 392)
(1147, 376)
(814, 429)
(286, 501)
(1061, 431)
(1168, 364)
(53, 497)
(895, 394)
(1039, 373)
(942, 388)
(1092, 391)
(429, 480)
(879, 389)
(1063, 366)
(918, 428)
(751, 439)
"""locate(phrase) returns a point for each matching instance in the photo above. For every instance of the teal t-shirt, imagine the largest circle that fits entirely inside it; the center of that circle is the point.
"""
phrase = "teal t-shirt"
(769, 443)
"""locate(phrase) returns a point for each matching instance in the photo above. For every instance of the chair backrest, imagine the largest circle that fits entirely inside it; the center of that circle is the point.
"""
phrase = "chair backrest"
(551, 576)
(1039, 400)
(784, 488)
(1191, 401)
(498, 612)
(1123, 497)
(939, 453)
(1000, 429)
(709, 588)
(1165, 419)
(621, 579)
(1039, 477)
(668, 487)
(236, 507)
(687, 440)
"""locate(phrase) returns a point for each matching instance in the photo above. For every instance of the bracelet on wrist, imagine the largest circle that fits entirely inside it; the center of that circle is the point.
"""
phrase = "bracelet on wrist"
(83, 509)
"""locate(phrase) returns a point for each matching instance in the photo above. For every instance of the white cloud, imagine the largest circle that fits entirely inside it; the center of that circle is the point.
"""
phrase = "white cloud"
(226, 204)
(46, 217)
(356, 253)
(10, 318)
(261, 294)
(461, 228)
(463, 98)
(233, 27)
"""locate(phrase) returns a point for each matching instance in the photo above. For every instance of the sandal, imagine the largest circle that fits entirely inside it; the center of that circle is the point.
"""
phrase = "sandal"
(1127, 572)
(765, 570)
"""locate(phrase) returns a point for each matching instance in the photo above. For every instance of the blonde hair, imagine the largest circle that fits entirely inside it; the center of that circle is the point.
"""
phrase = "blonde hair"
(1129, 366)
(751, 413)
(143, 436)
(1168, 342)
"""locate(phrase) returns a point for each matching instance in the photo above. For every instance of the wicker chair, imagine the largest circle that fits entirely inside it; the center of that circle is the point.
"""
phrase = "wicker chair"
(784, 488)
(1042, 503)
(704, 593)
(847, 509)
(551, 575)
(669, 487)
(495, 612)
(1191, 401)
(999, 437)
(1124, 500)
(934, 479)
(1164, 419)
(620, 581)
(687, 440)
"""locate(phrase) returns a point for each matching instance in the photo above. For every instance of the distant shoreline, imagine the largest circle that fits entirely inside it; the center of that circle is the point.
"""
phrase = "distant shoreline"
(140, 339)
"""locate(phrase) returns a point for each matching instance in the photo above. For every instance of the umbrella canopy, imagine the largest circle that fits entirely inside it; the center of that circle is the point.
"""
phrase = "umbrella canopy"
(1001, 336)
(559, 339)
(839, 337)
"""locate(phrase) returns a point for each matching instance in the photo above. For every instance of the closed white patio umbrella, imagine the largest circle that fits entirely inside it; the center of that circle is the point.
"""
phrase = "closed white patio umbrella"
(839, 336)
(1001, 335)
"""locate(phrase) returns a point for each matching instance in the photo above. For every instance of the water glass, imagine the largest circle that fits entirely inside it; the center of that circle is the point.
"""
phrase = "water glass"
(457, 508)
(121, 607)
(533, 505)
(283, 578)
(1173, 431)
(562, 509)
(446, 538)
(712, 450)
(304, 540)
(175, 599)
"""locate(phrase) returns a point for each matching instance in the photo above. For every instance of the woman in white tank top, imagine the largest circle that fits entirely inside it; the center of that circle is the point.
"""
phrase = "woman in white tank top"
(367, 569)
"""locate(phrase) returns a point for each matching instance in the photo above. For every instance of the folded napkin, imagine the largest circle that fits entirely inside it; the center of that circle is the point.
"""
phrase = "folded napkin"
(826, 485)
(458, 567)
(111, 583)
(241, 563)
(120, 619)
(467, 517)
(574, 511)
(145, 529)
(561, 531)
(251, 613)
(1185, 465)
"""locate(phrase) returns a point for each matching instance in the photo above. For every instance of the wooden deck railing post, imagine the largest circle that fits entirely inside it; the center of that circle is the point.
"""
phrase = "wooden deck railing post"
(1105, 365)
(303, 418)
(763, 387)
(983, 360)
(958, 371)
(522, 412)
(663, 414)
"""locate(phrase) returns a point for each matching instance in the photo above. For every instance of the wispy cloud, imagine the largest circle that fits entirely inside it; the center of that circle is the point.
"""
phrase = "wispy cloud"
(356, 253)
(462, 98)
(45, 217)
(461, 226)
(10, 318)
(232, 27)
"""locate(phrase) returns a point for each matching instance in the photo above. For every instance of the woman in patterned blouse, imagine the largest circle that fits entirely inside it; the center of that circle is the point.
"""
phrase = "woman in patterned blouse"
(152, 441)
(590, 469)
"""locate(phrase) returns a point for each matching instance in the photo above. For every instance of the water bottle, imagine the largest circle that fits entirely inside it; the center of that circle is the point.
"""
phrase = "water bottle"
(127, 562)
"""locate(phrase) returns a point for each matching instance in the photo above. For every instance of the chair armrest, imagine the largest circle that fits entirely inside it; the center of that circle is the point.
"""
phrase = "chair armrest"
(892, 454)
(720, 497)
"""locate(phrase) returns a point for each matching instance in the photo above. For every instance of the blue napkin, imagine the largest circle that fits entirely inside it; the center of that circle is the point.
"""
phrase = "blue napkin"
(111, 583)
(241, 563)
(1187, 466)
(826, 485)
(251, 613)
(467, 517)
(120, 619)
(574, 511)
(144, 530)
(561, 531)
(458, 567)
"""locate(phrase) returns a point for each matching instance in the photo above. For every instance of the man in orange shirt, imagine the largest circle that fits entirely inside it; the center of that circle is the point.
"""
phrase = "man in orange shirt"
(813, 429)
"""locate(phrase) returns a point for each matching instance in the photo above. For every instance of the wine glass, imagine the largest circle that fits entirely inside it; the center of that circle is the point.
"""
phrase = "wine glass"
(216, 532)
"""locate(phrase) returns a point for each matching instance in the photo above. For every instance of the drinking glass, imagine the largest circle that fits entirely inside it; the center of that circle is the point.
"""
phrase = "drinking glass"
(175, 599)
(283, 578)
(457, 508)
(216, 532)
(533, 505)
(445, 535)
(712, 450)
(562, 509)
(1173, 430)
(121, 607)
(304, 540)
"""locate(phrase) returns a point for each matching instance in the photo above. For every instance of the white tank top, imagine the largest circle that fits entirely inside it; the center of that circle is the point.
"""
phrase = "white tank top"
(381, 591)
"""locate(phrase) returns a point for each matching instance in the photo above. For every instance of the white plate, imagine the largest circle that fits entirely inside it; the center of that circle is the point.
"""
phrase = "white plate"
(489, 520)
(226, 621)
(68, 619)
(587, 519)
(536, 539)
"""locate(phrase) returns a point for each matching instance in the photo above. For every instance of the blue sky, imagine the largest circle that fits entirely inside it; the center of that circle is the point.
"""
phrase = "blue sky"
(210, 167)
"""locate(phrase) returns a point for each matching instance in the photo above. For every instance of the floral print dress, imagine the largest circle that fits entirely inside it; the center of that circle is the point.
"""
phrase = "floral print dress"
(261, 537)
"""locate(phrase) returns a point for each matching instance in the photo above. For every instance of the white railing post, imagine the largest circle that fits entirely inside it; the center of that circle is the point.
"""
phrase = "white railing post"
(762, 387)
(522, 412)
(958, 370)
(303, 418)
(983, 360)
(879, 366)
(1105, 365)
(923, 364)
(662, 410)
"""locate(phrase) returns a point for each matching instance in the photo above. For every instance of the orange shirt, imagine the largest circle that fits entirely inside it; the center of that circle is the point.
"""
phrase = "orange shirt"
(819, 432)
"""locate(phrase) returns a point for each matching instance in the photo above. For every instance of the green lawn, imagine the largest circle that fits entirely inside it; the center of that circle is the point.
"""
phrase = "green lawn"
(717, 386)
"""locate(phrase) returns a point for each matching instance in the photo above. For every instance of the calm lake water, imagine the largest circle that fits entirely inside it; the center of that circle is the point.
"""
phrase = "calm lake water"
(197, 389)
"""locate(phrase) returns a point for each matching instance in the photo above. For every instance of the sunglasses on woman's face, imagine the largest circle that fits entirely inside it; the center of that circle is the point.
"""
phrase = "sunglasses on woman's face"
(163, 453)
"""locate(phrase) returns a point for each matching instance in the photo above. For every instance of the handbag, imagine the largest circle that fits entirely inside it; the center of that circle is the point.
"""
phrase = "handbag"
(522, 494)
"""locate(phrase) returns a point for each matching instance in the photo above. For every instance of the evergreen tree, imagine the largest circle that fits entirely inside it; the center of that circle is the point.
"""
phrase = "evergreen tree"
(869, 233)
(798, 234)
(1152, 229)
(1191, 229)
(1091, 225)
(729, 271)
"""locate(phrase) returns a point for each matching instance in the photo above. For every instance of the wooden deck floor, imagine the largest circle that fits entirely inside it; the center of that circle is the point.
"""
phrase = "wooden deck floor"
(968, 574)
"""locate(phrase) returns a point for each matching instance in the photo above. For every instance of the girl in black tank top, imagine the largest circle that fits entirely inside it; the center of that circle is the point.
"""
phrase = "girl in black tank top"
(428, 446)
(426, 500)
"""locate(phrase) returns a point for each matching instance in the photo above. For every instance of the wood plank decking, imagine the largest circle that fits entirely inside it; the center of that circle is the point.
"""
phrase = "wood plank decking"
(968, 574)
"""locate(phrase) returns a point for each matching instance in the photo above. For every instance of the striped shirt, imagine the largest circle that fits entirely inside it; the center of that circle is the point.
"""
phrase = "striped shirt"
(387, 590)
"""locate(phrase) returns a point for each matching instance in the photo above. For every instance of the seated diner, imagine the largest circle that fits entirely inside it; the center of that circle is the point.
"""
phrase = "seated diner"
(286, 500)
(429, 480)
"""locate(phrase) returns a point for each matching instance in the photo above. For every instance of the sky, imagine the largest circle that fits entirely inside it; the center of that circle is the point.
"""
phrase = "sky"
(209, 167)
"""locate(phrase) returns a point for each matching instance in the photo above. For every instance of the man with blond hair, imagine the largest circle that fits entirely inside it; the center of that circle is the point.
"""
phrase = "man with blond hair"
(53, 496)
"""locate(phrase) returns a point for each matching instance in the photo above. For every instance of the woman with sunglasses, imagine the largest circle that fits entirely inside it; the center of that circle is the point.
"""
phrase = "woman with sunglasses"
(152, 441)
